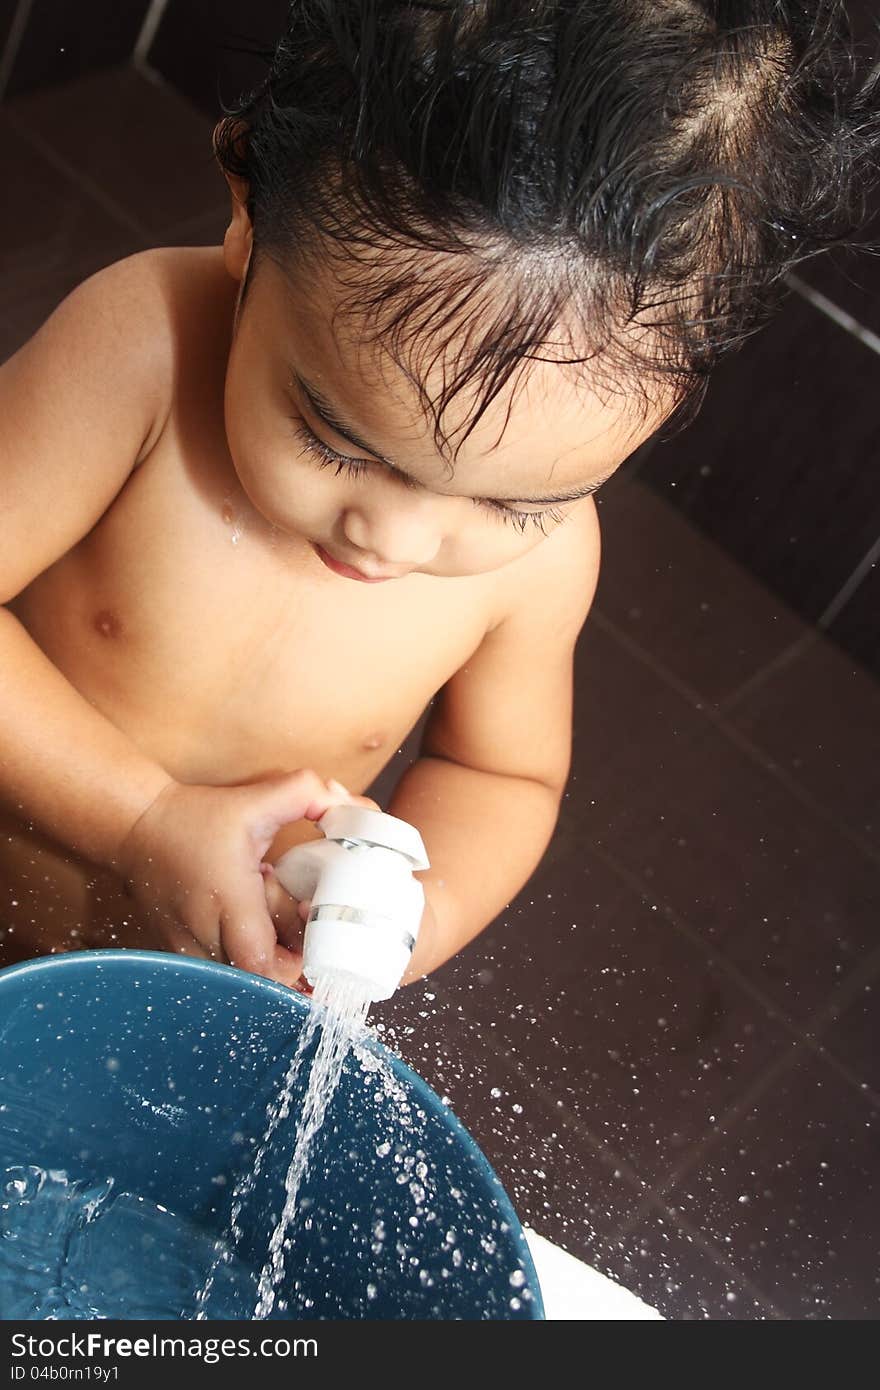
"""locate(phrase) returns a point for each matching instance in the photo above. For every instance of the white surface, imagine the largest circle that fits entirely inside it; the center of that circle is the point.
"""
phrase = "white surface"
(572, 1291)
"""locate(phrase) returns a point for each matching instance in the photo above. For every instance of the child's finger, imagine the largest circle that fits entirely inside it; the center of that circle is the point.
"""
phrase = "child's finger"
(294, 796)
(287, 968)
(282, 907)
(351, 798)
(247, 932)
(290, 933)
(183, 943)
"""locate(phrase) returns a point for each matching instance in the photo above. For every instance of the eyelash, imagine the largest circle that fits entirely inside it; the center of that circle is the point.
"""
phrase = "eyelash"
(355, 468)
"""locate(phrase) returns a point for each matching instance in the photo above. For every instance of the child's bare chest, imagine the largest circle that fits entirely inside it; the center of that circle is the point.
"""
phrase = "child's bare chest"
(228, 652)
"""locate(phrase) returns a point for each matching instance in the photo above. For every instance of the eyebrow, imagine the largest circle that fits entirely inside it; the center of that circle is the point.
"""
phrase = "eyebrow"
(333, 418)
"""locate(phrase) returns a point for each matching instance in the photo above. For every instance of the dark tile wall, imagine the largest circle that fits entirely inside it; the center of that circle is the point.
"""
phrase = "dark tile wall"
(857, 626)
(203, 47)
(62, 40)
(7, 16)
(780, 467)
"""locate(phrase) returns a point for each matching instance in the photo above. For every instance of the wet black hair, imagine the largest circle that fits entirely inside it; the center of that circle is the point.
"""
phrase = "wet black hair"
(621, 182)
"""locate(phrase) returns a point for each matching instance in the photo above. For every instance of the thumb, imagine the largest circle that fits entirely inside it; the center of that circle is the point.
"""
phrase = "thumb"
(290, 797)
(283, 909)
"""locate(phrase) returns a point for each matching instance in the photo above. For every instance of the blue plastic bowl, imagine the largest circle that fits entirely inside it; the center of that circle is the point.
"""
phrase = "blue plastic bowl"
(156, 1070)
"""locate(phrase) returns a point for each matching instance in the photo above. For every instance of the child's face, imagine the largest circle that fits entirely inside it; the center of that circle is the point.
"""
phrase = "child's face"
(331, 444)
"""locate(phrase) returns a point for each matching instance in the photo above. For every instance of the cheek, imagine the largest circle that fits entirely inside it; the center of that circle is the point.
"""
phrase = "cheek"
(283, 496)
(487, 543)
(275, 480)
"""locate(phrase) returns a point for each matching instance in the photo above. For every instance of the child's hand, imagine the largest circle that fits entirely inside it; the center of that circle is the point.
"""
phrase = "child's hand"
(194, 865)
(290, 915)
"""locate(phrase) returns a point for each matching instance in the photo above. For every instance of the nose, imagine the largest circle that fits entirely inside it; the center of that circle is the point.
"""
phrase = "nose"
(403, 534)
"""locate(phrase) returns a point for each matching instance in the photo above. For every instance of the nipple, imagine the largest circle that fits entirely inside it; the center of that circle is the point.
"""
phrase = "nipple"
(107, 623)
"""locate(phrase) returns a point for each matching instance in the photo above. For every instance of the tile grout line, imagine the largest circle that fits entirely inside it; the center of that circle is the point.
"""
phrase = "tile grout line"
(74, 175)
(657, 1199)
(736, 1111)
(850, 989)
(853, 583)
(13, 42)
(654, 1200)
(801, 1041)
(608, 626)
(826, 306)
(807, 1034)
(716, 719)
(718, 1256)
(713, 954)
(608, 1157)
(152, 20)
(611, 1160)
(778, 663)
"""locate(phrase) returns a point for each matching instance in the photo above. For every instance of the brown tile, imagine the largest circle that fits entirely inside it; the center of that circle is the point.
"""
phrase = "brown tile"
(7, 14)
(153, 158)
(228, 65)
(713, 834)
(620, 1019)
(819, 718)
(850, 279)
(774, 468)
(682, 1276)
(58, 236)
(559, 1181)
(856, 628)
(61, 41)
(791, 1193)
(853, 1038)
(689, 605)
(208, 229)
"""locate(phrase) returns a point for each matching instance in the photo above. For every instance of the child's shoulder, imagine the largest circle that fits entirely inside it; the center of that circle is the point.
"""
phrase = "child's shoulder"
(181, 277)
(178, 285)
(555, 583)
(152, 286)
(170, 274)
(162, 294)
(160, 308)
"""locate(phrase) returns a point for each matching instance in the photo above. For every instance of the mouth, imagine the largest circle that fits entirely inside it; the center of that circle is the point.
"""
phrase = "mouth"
(348, 571)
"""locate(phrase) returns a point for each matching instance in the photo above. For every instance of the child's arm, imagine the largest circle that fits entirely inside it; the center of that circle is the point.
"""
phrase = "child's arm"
(485, 792)
(79, 405)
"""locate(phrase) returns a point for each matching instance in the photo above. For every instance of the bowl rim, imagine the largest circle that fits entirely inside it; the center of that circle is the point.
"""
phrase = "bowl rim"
(124, 960)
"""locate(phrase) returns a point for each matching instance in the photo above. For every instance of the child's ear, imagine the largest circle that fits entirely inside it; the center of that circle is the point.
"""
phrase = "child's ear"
(239, 234)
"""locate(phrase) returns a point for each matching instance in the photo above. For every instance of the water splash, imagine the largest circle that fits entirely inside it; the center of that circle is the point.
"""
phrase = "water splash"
(344, 1006)
(339, 1008)
(78, 1250)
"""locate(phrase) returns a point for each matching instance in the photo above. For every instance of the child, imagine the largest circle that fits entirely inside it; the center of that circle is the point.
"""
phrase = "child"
(262, 502)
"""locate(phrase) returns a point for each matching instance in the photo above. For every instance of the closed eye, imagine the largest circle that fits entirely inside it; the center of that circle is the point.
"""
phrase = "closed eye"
(326, 456)
(356, 467)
